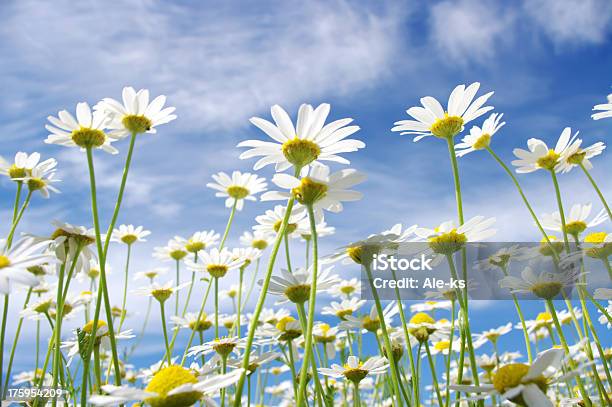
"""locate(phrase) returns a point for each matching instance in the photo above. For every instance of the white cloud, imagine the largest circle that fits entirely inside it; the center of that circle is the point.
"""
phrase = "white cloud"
(219, 65)
(572, 22)
(469, 30)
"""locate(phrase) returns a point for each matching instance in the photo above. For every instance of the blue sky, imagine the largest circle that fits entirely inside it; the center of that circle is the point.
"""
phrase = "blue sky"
(548, 62)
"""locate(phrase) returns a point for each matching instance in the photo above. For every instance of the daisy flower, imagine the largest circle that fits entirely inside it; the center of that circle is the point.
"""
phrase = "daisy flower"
(190, 321)
(433, 120)
(319, 188)
(540, 156)
(256, 361)
(221, 346)
(502, 257)
(202, 240)
(150, 274)
(160, 292)
(246, 255)
(346, 288)
(343, 308)
(296, 286)
(370, 322)
(523, 384)
(311, 140)
(577, 155)
(326, 336)
(102, 338)
(480, 138)
(492, 335)
(14, 262)
(270, 222)
(237, 188)
(603, 110)
(321, 227)
(256, 239)
(41, 178)
(129, 234)
(135, 115)
(172, 385)
(271, 316)
(545, 285)
(86, 131)
(216, 262)
(429, 306)
(448, 238)
(576, 221)
(173, 251)
(422, 326)
(356, 371)
(22, 166)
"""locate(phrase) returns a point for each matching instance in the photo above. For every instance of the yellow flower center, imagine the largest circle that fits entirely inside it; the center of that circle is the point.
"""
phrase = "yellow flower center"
(596, 237)
(259, 244)
(371, 325)
(447, 127)
(34, 184)
(137, 124)
(216, 270)
(355, 374)
(44, 306)
(510, 376)
(223, 348)
(291, 227)
(448, 243)
(577, 157)
(36, 270)
(17, 172)
(178, 254)
(500, 260)
(300, 152)
(442, 345)
(547, 290)
(549, 161)
(88, 327)
(237, 192)
(167, 380)
(202, 325)
(423, 327)
(575, 228)
(309, 191)
(355, 253)
(544, 317)
(482, 142)
(347, 289)
(194, 246)
(288, 331)
(4, 261)
(343, 313)
(129, 239)
(161, 294)
(421, 318)
(84, 240)
(298, 294)
(88, 138)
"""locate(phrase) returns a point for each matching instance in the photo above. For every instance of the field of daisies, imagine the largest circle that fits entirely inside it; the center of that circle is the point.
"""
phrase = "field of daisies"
(284, 342)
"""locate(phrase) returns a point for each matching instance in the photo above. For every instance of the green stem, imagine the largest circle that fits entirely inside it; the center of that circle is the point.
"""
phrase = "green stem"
(103, 290)
(239, 308)
(432, 366)
(520, 191)
(357, 396)
(311, 308)
(216, 307)
(3, 332)
(178, 281)
(58, 327)
(229, 225)
(519, 311)
(387, 342)
(125, 285)
(252, 283)
(193, 274)
(561, 211)
(553, 312)
(261, 301)
(197, 323)
(11, 234)
(601, 197)
(163, 321)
